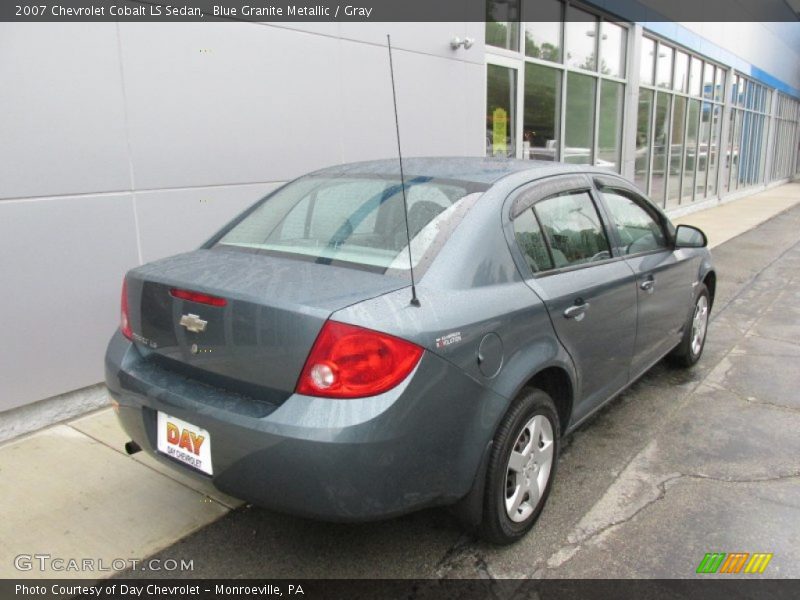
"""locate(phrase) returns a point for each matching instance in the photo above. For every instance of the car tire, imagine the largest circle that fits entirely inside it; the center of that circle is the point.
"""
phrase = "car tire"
(690, 349)
(516, 490)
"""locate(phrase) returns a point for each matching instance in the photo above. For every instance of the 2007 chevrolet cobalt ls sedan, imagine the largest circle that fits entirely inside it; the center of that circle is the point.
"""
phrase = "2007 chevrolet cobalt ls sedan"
(286, 361)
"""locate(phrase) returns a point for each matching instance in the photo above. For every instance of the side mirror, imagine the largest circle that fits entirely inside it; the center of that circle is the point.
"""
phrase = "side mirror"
(687, 236)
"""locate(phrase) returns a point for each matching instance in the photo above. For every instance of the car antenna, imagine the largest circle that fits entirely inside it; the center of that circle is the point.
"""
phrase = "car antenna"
(414, 299)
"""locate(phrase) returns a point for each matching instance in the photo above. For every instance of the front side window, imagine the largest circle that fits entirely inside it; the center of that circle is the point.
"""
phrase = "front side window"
(638, 230)
(355, 220)
(573, 229)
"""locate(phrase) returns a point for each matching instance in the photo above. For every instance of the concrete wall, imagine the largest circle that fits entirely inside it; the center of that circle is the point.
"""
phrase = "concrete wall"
(120, 144)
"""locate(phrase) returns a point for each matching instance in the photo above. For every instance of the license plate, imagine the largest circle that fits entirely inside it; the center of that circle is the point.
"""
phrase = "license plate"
(184, 442)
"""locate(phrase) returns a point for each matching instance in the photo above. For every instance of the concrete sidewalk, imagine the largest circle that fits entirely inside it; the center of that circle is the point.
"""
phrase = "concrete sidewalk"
(726, 221)
(72, 492)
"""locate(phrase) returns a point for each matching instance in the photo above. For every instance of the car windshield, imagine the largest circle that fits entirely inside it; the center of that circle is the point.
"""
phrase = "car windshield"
(356, 220)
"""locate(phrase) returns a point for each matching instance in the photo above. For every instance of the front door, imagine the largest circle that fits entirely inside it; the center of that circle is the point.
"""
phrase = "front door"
(664, 277)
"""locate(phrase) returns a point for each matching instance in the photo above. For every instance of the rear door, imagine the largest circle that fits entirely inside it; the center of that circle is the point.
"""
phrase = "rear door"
(664, 277)
(590, 294)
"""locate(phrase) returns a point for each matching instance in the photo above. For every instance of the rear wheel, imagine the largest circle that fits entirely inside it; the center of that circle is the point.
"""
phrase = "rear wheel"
(688, 352)
(521, 467)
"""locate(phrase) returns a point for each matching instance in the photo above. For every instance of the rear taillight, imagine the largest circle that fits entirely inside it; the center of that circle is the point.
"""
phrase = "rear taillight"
(124, 319)
(352, 362)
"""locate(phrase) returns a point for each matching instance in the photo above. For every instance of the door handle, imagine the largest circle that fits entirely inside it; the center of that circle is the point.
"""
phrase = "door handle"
(648, 285)
(577, 312)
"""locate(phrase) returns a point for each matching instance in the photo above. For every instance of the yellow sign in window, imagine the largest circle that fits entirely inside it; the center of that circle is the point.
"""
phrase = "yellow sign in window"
(499, 132)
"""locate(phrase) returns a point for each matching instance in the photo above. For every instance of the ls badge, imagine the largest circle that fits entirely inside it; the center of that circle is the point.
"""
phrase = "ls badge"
(193, 323)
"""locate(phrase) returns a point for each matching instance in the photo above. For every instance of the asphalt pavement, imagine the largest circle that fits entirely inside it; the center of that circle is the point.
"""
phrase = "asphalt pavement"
(685, 462)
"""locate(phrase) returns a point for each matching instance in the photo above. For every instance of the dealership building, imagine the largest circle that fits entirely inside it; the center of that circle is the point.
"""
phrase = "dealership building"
(121, 143)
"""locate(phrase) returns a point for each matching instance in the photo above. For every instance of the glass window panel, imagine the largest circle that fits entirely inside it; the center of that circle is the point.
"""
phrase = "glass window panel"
(573, 229)
(581, 31)
(543, 29)
(501, 93)
(660, 142)
(690, 157)
(664, 66)
(746, 149)
(638, 230)
(502, 23)
(703, 148)
(681, 71)
(762, 154)
(647, 61)
(609, 127)
(643, 137)
(531, 242)
(708, 81)
(695, 77)
(727, 159)
(540, 125)
(613, 40)
(719, 85)
(735, 146)
(749, 93)
(713, 148)
(676, 151)
(579, 123)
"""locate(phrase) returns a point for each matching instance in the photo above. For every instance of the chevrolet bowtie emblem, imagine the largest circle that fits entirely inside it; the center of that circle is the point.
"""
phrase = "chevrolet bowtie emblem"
(193, 323)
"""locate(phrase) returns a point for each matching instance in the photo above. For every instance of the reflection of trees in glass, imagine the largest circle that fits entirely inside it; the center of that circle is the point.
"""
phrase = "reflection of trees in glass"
(544, 51)
(610, 123)
(579, 123)
(589, 64)
(502, 23)
(540, 124)
(497, 34)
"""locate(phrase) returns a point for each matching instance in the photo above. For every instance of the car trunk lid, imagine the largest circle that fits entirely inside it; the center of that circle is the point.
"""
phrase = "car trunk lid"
(256, 344)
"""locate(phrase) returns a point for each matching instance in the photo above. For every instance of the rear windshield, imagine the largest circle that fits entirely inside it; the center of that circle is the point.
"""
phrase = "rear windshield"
(356, 220)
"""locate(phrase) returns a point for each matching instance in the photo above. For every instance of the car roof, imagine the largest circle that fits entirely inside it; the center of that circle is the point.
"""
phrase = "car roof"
(485, 170)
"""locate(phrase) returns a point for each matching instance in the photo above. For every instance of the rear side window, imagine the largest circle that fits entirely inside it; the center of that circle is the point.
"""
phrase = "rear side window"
(531, 242)
(355, 220)
(573, 229)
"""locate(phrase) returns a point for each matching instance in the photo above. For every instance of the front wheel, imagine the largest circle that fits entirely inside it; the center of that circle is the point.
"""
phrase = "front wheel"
(688, 352)
(521, 467)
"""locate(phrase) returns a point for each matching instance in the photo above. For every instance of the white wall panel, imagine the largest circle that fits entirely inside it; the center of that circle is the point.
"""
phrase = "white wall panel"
(61, 266)
(62, 126)
(440, 104)
(215, 104)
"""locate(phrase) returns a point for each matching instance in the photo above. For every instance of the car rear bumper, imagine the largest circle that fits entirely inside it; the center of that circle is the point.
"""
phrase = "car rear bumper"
(417, 445)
